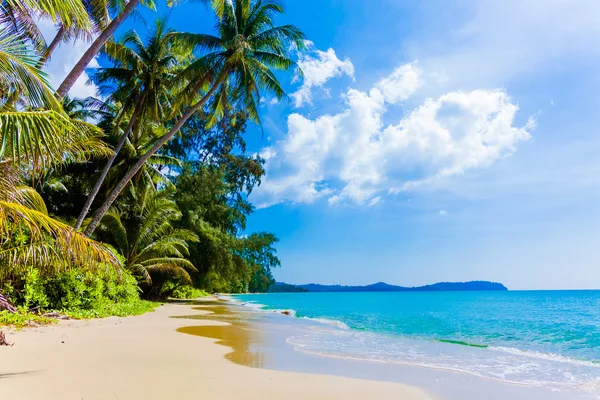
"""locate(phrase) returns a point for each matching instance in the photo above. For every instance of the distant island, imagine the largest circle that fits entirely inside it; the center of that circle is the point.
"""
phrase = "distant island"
(280, 287)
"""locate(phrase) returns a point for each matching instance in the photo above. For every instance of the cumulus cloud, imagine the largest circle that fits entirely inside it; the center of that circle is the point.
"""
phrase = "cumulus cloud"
(354, 157)
(319, 67)
(401, 84)
(63, 59)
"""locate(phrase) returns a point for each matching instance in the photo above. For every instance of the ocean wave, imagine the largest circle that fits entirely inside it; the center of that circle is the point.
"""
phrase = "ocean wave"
(499, 364)
(292, 313)
(331, 322)
(545, 356)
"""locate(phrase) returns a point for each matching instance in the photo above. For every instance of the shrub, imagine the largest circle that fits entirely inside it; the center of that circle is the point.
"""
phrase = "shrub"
(78, 294)
(34, 292)
(187, 292)
(177, 289)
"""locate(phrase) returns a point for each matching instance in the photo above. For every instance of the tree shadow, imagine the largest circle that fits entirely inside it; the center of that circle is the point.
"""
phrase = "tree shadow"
(14, 374)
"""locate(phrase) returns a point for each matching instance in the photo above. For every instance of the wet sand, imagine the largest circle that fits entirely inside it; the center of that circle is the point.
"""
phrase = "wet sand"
(213, 352)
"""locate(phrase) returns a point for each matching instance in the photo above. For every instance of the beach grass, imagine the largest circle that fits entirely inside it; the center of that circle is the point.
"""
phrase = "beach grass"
(24, 318)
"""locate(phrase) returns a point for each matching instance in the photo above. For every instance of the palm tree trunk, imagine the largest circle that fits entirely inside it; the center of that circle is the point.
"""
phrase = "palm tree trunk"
(93, 50)
(60, 35)
(88, 203)
(140, 163)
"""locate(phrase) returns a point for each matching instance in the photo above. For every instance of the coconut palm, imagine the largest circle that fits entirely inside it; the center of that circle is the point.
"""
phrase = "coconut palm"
(108, 32)
(20, 17)
(84, 109)
(141, 79)
(153, 172)
(42, 134)
(29, 237)
(97, 44)
(144, 235)
(247, 48)
(32, 140)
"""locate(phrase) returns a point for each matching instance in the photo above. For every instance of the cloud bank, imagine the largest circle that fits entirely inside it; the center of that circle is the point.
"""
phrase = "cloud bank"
(355, 157)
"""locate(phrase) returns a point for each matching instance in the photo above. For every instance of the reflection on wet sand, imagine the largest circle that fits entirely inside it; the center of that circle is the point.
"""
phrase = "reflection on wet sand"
(247, 343)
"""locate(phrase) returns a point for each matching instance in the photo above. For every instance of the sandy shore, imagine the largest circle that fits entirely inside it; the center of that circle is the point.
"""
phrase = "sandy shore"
(146, 358)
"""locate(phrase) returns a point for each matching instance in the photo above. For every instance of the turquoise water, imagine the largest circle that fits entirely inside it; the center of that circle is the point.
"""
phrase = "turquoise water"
(542, 338)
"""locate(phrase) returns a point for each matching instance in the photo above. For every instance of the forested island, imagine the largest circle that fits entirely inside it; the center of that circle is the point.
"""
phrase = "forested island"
(384, 287)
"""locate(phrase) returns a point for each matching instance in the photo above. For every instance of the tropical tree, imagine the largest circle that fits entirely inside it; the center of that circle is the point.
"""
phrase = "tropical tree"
(143, 233)
(247, 48)
(83, 109)
(97, 44)
(38, 137)
(141, 79)
(19, 18)
(99, 16)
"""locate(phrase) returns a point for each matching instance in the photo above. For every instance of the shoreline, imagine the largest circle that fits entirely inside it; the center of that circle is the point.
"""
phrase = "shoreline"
(438, 381)
(145, 357)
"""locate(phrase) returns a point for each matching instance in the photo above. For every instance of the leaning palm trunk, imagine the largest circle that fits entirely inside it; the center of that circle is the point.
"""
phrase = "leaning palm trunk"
(6, 305)
(88, 204)
(140, 163)
(60, 35)
(93, 50)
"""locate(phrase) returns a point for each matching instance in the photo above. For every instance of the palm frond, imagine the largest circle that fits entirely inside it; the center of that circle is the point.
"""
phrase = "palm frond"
(50, 243)
(18, 72)
(46, 137)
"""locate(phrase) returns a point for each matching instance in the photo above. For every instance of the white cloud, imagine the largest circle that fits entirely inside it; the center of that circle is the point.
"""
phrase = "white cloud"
(443, 212)
(63, 59)
(354, 157)
(374, 201)
(401, 84)
(319, 67)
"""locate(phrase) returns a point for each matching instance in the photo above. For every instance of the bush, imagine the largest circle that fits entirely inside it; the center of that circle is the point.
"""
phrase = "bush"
(78, 294)
(179, 290)
(187, 292)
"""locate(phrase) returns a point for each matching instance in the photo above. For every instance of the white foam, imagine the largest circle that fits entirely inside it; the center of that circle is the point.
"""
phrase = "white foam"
(326, 321)
(500, 364)
(545, 356)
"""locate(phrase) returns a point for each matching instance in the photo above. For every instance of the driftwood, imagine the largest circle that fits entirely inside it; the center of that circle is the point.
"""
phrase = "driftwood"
(5, 304)
(3, 341)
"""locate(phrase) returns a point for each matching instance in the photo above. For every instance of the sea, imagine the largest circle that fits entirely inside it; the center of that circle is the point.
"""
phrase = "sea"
(548, 339)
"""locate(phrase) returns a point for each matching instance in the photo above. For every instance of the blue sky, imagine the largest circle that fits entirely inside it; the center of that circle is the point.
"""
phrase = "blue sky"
(431, 141)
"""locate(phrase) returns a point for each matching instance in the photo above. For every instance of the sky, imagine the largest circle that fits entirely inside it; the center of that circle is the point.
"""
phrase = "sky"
(438, 140)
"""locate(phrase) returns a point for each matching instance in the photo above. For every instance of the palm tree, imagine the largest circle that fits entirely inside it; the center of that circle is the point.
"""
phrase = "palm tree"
(83, 109)
(97, 44)
(144, 75)
(247, 48)
(152, 173)
(30, 141)
(19, 18)
(41, 134)
(29, 237)
(99, 15)
(144, 235)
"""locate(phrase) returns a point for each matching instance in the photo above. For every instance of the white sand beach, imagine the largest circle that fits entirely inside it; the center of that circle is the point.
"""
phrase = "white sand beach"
(146, 358)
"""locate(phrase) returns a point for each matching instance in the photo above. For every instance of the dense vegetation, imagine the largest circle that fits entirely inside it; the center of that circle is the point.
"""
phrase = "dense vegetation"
(142, 191)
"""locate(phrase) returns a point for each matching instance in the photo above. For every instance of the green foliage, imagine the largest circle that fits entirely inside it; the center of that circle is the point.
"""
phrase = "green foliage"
(34, 293)
(23, 318)
(143, 232)
(109, 309)
(77, 290)
(171, 240)
(186, 292)
(78, 294)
